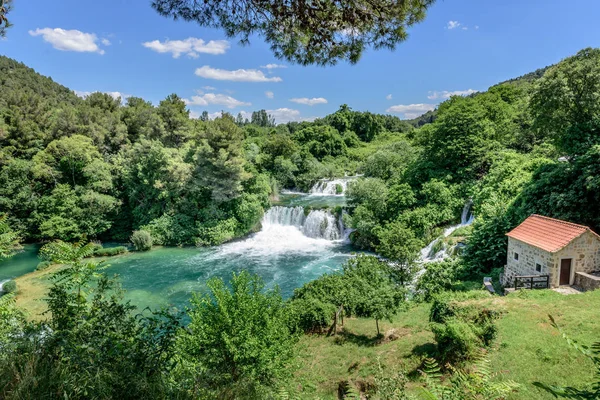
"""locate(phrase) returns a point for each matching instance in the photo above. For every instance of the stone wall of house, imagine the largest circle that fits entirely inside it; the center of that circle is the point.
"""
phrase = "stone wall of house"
(529, 256)
(585, 252)
(587, 281)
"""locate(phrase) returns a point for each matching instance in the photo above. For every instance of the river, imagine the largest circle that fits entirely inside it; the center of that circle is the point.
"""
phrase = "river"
(292, 248)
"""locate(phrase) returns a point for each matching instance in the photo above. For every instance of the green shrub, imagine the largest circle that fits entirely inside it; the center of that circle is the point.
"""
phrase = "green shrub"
(310, 315)
(339, 189)
(220, 232)
(461, 328)
(239, 337)
(43, 265)
(9, 287)
(142, 240)
(437, 278)
(110, 251)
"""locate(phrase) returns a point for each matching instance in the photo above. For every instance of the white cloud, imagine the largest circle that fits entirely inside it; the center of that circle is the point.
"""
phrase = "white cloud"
(105, 42)
(388, 97)
(273, 66)
(82, 94)
(309, 102)
(433, 95)
(464, 28)
(476, 27)
(284, 115)
(239, 75)
(218, 99)
(453, 25)
(114, 95)
(411, 110)
(69, 40)
(190, 47)
(281, 115)
(269, 95)
(209, 88)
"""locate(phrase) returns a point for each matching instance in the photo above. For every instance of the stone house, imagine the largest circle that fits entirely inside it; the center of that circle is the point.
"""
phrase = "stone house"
(568, 253)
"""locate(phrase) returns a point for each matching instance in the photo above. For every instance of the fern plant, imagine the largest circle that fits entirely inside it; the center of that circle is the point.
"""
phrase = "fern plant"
(9, 239)
(474, 384)
(567, 392)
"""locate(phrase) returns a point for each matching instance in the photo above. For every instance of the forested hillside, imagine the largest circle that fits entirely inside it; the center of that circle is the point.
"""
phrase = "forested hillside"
(97, 168)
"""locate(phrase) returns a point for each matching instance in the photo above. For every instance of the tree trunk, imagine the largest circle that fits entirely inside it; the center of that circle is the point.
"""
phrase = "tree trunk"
(377, 323)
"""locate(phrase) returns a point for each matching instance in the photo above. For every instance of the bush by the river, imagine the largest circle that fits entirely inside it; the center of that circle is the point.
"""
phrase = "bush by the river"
(142, 240)
(9, 287)
(110, 251)
(43, 265)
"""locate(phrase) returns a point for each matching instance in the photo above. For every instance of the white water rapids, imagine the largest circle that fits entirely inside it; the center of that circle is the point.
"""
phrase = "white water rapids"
(427, 253)
(329, 187)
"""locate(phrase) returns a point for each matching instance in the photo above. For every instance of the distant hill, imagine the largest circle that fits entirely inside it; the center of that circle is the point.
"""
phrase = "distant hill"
(529, 78)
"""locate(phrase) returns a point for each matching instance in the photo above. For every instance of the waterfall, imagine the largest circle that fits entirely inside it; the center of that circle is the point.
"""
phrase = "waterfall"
(429, 253)
(279, 215)
(318, 224)
(329, 187)
(322, 224)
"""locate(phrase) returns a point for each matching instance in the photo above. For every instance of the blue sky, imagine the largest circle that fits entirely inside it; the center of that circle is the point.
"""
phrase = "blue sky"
(128, 48)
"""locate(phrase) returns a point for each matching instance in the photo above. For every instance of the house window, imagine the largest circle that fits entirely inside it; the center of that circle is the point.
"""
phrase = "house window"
(538, 267)
(516, 256)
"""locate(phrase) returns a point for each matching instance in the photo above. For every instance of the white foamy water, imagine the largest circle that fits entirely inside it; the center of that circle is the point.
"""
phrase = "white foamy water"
(329, 187)
(427, 253)
(276, 240)
(2, 285)
(287, 230)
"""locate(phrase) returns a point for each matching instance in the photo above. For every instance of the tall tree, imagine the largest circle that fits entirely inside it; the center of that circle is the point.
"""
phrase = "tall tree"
(566, 102)
(9, 239)
(303, 31)
(5, 7)
(220, 161)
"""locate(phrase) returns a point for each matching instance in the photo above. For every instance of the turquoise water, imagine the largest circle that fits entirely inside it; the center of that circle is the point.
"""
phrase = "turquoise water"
(280, 254)
(21, 263)
(287, 252)
(168, 276)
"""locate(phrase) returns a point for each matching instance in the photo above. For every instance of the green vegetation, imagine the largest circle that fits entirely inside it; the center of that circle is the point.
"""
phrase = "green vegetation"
(593, 390)
(9, 287)
(305, 32)
(9, 239)
(238, 343)
(142, 240)
(110, 251)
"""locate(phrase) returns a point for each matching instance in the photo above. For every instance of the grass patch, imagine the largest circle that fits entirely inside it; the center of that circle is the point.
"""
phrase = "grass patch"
(527, 348)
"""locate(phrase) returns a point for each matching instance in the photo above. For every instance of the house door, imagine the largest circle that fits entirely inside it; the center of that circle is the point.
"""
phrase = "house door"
(565, 271)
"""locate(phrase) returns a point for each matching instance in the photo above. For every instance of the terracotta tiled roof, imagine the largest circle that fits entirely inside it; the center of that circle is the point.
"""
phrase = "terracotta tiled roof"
(547, 233)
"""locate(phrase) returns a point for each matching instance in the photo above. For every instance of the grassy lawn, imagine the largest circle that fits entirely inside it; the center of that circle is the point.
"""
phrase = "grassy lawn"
(527, 349)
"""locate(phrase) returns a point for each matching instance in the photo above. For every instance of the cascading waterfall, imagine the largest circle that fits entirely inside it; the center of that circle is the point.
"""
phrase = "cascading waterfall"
(430, 252)
(322, 224)
(329, 187)
(318, 224)
(279, 215)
